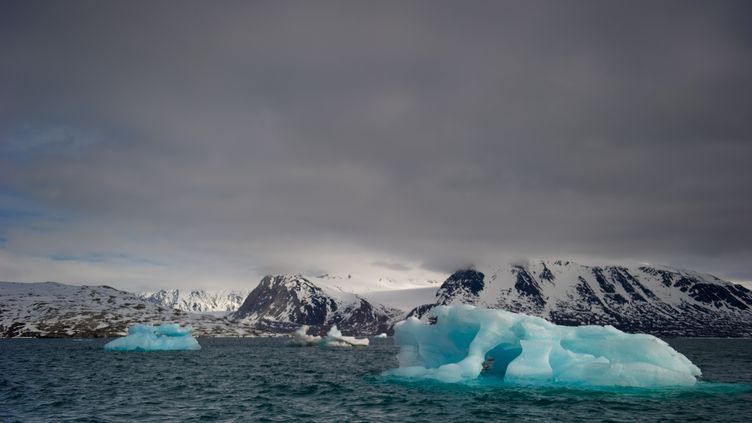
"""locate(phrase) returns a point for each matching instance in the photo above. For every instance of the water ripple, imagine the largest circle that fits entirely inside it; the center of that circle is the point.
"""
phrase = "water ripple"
(264, 380)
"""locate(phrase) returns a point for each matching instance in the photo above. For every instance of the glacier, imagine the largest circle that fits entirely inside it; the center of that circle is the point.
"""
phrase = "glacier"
(464, 342)
(166, 337)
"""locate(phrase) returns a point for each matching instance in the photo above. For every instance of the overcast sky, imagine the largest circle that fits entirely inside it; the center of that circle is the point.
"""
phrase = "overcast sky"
(204, 144)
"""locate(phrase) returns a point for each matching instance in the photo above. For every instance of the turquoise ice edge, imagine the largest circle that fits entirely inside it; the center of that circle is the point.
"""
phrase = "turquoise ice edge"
(464, 342)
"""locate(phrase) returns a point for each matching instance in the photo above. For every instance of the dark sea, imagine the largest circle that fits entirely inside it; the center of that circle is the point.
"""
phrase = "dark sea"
(265, 380)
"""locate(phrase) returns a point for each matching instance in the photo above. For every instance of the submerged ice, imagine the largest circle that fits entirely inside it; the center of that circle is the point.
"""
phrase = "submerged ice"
(466, 341)
(167, 337)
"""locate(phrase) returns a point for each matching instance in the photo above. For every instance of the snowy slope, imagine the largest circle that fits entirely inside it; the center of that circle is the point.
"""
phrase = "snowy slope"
(653, 299)
(363, 284)
(49, 309)
(284, 302)
(403, 299)
(197, 301)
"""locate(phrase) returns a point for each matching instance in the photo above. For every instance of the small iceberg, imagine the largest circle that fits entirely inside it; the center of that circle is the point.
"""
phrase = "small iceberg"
(301, 338)
(333, 338)
(466, 342)
(380, 336)
(167, 337)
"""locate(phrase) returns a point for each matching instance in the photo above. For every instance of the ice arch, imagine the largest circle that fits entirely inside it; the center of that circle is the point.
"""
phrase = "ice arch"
(530, 349)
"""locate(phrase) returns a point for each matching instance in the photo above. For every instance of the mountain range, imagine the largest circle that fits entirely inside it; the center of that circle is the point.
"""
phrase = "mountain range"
(197, 301)
(652, 299)
(55, 310)
(284, 302)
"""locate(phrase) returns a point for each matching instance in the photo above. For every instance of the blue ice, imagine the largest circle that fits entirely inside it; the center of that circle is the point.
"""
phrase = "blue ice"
(167, 337)
(466, 342)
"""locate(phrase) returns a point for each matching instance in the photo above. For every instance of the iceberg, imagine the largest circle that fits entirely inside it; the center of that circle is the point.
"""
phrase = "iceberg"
(466, 342)
(167, 337)
(380, 336)
(334, 338)
(301, 338)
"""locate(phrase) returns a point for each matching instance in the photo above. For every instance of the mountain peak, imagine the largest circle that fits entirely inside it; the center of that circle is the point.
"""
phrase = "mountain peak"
(283, 302)
(654, 299)
(465, 283)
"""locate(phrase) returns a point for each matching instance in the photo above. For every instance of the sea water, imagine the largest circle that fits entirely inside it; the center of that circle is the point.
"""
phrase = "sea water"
(264, 379)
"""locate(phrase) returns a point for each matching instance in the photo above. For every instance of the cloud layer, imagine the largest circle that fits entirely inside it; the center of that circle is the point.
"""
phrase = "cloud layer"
(175, 143)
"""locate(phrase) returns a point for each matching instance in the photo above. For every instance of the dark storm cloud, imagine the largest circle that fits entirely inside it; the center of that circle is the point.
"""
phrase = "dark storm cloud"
(424, 132)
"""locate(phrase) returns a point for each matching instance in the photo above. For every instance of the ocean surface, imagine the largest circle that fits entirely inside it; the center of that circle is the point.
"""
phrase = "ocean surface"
(265, 380)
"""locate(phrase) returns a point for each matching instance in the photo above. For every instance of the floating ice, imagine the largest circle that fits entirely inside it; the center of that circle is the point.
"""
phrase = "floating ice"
(301, 338)
(380, 336)
(334, 338)
(466, 341)
(167, 337)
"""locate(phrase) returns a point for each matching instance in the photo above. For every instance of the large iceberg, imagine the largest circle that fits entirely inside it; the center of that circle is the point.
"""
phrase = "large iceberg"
(465, 342)
(167, 337)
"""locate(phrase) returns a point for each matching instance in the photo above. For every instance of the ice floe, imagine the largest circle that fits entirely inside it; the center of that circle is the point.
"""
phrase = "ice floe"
(167, 337)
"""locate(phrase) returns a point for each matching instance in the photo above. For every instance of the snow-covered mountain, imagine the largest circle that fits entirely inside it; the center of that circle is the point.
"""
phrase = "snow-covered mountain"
(653, 299)
(49, 309)
(284, 302)
(197, 301)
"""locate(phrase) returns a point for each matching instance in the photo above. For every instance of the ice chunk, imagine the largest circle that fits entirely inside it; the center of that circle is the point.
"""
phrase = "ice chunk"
(466, 341)
(380, 336)
(167, 337)
(334, 338)
(301, 338)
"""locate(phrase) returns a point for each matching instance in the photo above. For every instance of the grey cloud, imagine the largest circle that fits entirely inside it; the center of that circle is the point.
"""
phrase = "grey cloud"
(392, 266)
(437, 132)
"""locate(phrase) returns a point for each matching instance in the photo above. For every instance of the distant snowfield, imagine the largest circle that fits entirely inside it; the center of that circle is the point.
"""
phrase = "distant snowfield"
(403, 299)
(365, 285)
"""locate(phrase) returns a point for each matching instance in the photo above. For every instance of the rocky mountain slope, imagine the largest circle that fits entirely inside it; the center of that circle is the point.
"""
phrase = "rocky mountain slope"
(50, 309)
(653, 299)
(283, 303)
(197, 301)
